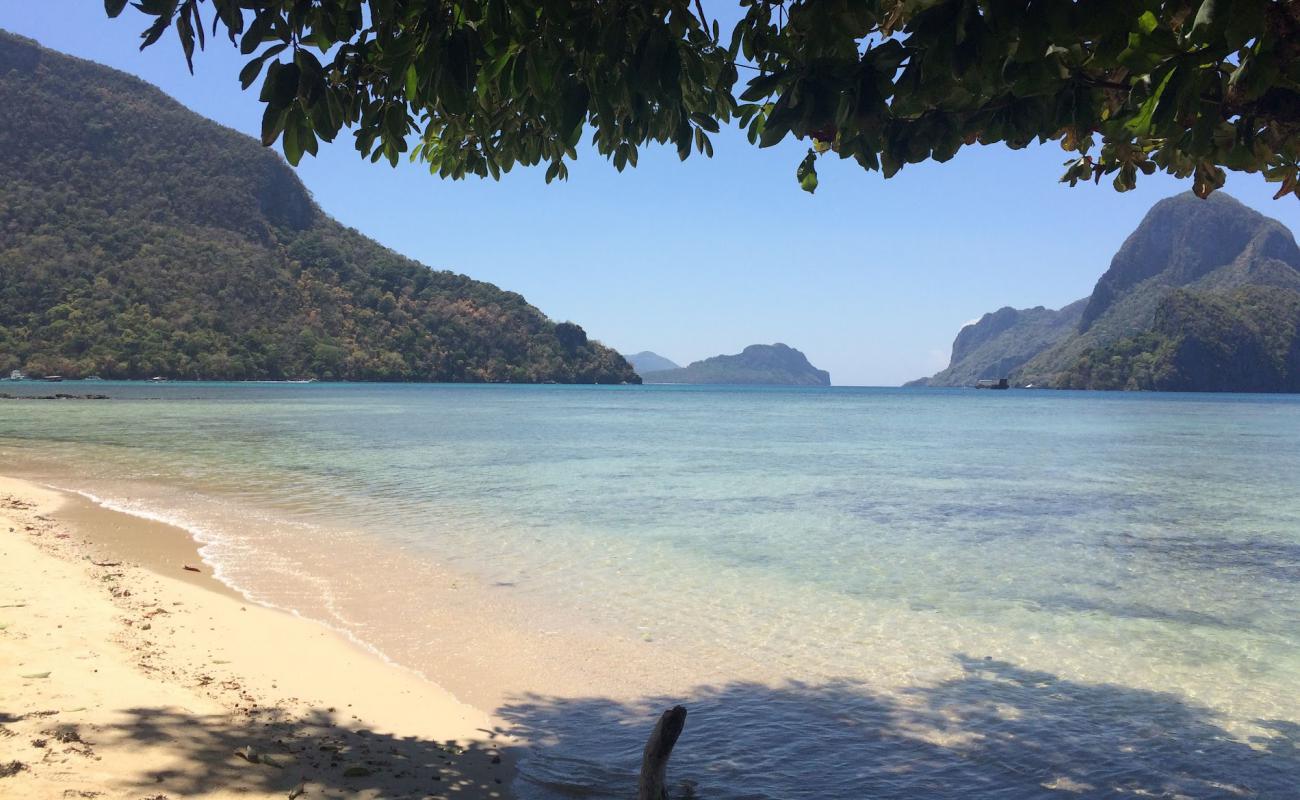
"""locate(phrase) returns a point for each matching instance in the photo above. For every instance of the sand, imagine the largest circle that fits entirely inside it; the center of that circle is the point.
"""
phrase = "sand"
(124, 675)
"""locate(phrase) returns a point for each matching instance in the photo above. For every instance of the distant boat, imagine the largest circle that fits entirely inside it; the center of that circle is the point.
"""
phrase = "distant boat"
(17, 375)
(53, 378)
(992, 383)
(93, 378)
(157, 379)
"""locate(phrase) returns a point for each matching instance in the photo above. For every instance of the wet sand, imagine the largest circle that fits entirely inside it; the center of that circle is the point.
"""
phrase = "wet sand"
(123, 674)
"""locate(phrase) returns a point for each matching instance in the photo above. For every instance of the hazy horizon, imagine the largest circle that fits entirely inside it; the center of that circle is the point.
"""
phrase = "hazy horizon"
(870, 279)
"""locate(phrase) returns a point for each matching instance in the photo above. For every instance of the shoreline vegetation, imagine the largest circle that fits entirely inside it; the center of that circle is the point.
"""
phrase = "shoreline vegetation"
(172, 685)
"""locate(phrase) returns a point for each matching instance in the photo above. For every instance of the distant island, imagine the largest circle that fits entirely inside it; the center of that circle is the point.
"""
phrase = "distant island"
(1203, 296)
(646, 361)
(758, 364)
(141, 239)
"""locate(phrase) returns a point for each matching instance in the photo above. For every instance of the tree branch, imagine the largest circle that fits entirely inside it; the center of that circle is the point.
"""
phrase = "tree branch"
(654, 764)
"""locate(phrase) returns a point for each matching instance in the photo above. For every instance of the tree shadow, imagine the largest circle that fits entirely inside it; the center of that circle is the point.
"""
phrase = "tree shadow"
(996, 731)
(271, 752)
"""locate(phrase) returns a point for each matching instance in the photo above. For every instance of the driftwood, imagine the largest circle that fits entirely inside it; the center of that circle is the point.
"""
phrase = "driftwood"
(654, 764)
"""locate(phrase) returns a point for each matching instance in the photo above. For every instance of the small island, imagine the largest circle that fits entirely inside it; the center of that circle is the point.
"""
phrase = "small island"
(648, 361)
(757, 365)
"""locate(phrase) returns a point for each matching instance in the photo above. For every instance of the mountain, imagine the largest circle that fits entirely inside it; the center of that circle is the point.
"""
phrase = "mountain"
(646, 361)
(1184, 242)
(1003, 341)
(1197, 280)
(765, 364)
(140, 239)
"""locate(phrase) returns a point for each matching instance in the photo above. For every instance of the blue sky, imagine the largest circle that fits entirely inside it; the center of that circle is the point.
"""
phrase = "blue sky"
(870, 278)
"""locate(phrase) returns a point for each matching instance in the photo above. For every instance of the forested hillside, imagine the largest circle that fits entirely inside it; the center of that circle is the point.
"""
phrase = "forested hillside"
(140, 239)
(1247, 340)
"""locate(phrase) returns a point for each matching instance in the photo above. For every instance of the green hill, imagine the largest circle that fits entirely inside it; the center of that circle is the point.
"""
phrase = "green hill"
(139, 239)
(758, 364)
(1200, 297)
(1246, 340)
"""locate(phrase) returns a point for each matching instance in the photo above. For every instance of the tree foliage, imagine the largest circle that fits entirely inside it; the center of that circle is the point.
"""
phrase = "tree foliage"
(1245, 340)
(474, 87)
(139, 239)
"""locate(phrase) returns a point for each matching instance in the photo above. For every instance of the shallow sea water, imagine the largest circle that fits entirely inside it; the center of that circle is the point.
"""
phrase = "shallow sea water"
(856, 592)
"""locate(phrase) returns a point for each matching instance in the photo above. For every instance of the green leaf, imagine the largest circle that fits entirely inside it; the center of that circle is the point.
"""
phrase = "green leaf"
(254, 67)
(281, 85)
(1140, 125)
(1203, 27)
(1147, 23)
(292, 148)
(257, 32)
(574, 112)
(114, 7)
(706, 122)
(273, 120)
(762, 87)
(1246, 22)
(807, 172)
(412, 83)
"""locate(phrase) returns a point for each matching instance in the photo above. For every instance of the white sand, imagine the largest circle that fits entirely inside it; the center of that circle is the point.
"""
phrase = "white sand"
(121, 681)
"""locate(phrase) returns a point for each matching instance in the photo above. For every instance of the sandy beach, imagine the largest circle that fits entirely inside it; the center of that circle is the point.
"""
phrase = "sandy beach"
(126, 675)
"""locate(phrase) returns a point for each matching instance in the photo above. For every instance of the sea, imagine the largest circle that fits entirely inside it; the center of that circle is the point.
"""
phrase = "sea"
(855, 592)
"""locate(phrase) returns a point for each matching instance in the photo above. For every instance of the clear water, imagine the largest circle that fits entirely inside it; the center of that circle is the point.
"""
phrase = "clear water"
(856, 592)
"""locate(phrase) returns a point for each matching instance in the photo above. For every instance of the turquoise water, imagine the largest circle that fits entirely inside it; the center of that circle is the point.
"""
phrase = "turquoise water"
(856, 592)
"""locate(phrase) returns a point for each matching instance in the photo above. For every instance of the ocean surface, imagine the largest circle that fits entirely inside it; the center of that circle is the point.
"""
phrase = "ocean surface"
(857, 593)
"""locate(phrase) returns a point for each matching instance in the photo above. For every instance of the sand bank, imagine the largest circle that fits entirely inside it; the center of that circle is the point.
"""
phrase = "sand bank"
(122, 674)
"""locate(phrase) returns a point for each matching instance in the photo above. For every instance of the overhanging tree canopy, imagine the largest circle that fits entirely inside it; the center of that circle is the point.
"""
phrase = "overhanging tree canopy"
(1190, 88)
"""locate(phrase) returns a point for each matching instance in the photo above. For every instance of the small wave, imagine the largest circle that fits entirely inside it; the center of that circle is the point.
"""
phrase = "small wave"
(210, 539)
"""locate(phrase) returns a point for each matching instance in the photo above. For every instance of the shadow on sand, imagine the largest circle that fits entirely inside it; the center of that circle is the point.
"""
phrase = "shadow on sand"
(997, 731)
(313, 757)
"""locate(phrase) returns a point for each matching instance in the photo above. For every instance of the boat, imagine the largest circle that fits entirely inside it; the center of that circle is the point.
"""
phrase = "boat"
(992, 383)
(157, 379)
(53, 378)
(17, 375)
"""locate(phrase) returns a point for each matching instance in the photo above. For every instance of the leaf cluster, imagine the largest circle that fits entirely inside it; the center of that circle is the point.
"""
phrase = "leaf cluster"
(1129, 87)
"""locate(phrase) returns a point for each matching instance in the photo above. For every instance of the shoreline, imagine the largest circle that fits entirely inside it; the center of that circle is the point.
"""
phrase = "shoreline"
(471, 637)
(127, 674)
